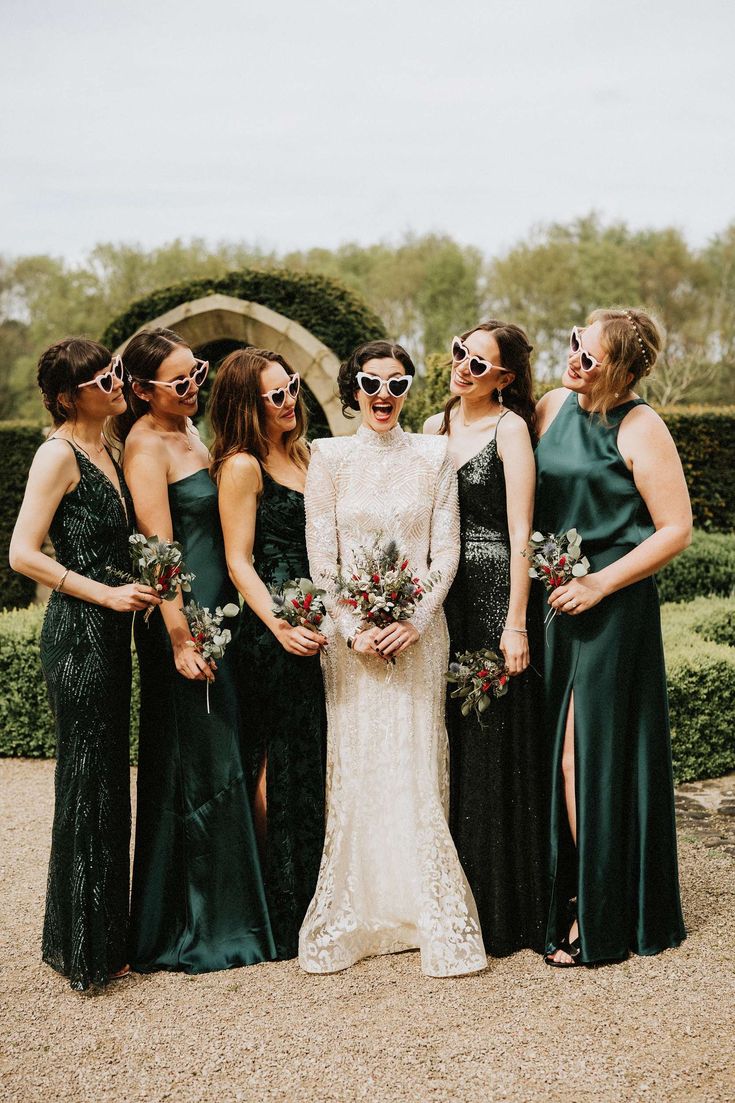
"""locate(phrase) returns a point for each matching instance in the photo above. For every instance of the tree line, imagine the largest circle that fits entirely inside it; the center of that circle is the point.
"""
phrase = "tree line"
(425, 288)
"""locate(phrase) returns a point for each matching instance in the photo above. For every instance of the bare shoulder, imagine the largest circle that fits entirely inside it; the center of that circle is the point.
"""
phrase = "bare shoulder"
(642, 428)
(143, 441)
(433, 424)
(55, 459)
(243, 470)
(512, 426)
(548, 407)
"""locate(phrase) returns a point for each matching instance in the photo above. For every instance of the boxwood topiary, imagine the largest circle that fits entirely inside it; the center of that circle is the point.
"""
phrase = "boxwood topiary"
(18, 443)
(332, 313)
(700, 666)
(705, 438)
(707, 566)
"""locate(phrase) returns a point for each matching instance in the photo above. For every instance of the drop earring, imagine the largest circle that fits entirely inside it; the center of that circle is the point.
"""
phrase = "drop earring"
(500, 397)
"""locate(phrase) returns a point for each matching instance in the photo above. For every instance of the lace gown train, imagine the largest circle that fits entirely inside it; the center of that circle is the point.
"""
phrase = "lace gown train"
(390, 878)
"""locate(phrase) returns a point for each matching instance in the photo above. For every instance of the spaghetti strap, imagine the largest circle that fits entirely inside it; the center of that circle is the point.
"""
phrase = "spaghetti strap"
(497, 424)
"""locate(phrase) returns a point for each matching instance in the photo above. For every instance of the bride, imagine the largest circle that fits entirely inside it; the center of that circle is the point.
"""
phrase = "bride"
(390, 878)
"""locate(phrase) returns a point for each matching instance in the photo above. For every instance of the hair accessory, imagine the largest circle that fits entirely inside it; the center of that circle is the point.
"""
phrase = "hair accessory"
(639, 339)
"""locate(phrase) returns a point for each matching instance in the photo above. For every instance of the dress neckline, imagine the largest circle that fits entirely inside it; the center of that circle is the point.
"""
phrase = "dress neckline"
(390, 439)
(290, 489)
(119, 491)
(478, 453)
(191, 476)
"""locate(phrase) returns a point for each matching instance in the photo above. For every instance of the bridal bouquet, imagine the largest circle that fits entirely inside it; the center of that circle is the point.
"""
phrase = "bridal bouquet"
(299, 603)
(160, 564)
(207, 635)
(479, 677)
(381, 587)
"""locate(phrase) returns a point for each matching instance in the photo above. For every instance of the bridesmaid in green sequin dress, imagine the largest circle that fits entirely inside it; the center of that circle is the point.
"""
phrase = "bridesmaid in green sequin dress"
(607, 466)
(260, 461)
(198, 903)
(76, 492)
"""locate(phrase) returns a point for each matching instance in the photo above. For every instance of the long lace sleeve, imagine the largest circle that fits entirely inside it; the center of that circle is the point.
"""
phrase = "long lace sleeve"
(444, 548)
(321, 538)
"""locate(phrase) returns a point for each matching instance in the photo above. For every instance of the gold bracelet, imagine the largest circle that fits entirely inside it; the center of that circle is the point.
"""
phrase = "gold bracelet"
(62, 580)
(522, 631)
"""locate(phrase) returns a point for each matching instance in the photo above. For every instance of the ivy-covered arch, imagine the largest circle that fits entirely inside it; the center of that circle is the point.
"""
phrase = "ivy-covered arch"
(311, 320)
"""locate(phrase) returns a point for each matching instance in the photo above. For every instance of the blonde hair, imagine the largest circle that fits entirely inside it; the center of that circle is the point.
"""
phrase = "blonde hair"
(632, 341)
(236, 411)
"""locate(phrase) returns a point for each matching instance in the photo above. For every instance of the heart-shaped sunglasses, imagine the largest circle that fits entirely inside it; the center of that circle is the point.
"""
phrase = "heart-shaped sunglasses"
(586, 360)
(114, 374)
(181, 387)
(397, 386)
(476, 365)
(277, 396)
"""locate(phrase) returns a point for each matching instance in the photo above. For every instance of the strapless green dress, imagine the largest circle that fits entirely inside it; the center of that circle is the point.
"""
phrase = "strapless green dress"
(198, 902)
(624, 869)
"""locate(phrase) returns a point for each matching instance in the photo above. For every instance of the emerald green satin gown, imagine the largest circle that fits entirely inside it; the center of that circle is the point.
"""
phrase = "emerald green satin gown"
(624, 869)
(198, 902)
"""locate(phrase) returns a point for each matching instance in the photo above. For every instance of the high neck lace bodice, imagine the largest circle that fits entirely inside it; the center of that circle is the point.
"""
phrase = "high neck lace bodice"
(372, 439)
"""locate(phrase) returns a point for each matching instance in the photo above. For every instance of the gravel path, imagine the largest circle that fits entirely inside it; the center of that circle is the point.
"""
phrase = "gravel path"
(656, 1029)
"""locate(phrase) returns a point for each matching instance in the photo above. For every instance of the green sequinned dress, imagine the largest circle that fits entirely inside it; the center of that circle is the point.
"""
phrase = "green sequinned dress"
(624, 869)
(284, 722)
(85, 656)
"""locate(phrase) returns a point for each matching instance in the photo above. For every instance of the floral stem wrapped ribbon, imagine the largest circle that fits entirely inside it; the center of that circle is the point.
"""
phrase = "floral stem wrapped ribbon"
(556, 560)
(382, 588)
(160, 564)
(480, 676)
(208, 638)
(299, 603)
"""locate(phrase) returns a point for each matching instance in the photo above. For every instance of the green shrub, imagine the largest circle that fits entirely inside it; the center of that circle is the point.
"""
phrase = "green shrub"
(700, 658)
(334, 315)
(26, 723)
(705, 437)
(706, 567)
(700, 665)
(18, 443)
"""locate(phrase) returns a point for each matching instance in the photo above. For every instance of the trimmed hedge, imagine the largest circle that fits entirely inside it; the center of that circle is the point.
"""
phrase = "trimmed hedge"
(705, 438)
(26, 724)
(700, 657)
(18, 443)
(700, 664)
(706, 567)
(332, 313)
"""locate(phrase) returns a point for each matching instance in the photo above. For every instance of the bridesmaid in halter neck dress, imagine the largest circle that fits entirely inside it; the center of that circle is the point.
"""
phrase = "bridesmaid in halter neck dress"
(608, 467)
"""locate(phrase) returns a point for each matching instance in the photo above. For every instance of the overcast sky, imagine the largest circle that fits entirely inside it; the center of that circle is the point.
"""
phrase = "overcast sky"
(293, 123)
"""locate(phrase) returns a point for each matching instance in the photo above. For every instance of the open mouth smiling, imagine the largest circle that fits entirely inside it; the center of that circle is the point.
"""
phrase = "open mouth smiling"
(382, 410)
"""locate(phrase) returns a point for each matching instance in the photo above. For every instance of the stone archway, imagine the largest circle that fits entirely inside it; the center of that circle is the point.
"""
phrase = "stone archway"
(217, 316)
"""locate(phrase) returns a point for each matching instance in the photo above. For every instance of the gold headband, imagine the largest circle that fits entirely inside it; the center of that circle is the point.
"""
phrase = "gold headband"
(639, 339)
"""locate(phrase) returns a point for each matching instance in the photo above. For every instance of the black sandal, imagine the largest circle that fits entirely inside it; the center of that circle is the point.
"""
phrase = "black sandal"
(574, 949)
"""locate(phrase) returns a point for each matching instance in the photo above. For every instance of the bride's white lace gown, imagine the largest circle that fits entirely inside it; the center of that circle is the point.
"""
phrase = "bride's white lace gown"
(390, 878)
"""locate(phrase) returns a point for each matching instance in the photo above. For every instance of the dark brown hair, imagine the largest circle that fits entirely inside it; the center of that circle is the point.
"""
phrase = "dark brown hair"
(62, 367)
(374, 350)
(143, 356)
(632, 341)
(237, 411)
(515, 356)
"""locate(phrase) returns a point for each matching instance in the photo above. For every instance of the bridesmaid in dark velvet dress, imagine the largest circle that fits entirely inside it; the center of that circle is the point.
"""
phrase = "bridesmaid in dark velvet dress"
(77, 493)
(608, 467)
(198, 902)
(260, 460)
(498, 774)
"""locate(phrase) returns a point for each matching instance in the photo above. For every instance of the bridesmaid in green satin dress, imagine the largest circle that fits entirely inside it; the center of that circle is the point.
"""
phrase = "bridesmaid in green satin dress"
(607, 466)
(198, 902)
(259, 458)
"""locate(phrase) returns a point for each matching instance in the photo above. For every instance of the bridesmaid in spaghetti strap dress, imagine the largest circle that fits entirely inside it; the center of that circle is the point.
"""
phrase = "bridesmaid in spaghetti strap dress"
(77, 493)
(608, 467)
(260, 460)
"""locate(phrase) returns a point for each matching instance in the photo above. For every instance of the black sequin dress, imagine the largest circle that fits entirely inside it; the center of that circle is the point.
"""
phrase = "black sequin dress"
(498, 775)
(285, 723)
(85, 655)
